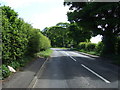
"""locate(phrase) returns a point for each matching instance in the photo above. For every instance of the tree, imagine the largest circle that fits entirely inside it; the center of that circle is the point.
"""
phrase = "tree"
(78, 34)
(100, 18)
(58, 35)
(66, 35)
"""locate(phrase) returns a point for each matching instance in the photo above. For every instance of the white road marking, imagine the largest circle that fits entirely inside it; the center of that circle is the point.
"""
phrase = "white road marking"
(35, 82)
(70, 56)
(95, 74)
(105, 80)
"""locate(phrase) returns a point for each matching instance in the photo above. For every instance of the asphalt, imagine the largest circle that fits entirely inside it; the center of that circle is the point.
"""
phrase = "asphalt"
(24, 77)
(69, 69)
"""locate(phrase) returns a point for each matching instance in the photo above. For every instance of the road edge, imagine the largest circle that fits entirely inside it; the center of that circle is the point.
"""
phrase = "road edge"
(33, 81)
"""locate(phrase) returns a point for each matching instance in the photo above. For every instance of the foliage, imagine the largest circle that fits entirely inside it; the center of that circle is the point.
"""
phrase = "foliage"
(99, 47)
(34, 42)
(100, 18)
(58, 35)
(66, 35)
(15, 64)
(45, 43)
(78, 34)
(14, 36)
(45, 53)
(25, 60)
(82, 45)
(5, 71)
(19, 38)
(90, 46)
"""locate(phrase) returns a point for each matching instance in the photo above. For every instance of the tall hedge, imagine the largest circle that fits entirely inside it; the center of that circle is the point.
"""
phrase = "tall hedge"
(18, 37)
(88, 46)
(46, 42)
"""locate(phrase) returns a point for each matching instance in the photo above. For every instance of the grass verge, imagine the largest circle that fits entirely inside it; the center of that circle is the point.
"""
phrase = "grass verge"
(89, 52)
(61, 47)
(45, 53)
(115, 58)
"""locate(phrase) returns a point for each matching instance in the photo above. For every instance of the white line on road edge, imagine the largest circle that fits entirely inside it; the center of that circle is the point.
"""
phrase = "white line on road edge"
(34, 81)
(70, 56)
(96, 74)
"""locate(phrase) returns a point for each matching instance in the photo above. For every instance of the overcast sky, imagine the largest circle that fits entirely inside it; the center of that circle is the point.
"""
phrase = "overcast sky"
(41, 13)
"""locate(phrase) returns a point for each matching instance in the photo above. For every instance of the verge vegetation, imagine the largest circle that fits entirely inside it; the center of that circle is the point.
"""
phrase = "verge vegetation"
(20, 41)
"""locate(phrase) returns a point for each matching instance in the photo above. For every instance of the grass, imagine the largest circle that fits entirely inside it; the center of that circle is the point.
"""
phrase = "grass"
(62, 47)
(114, 58)
(45, 53)
(89, 52)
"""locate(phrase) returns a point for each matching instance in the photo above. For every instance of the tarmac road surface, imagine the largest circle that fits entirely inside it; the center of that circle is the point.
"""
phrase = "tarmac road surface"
(69, 69)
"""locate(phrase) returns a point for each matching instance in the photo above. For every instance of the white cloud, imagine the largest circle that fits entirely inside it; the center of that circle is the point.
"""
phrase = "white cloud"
(49, 18)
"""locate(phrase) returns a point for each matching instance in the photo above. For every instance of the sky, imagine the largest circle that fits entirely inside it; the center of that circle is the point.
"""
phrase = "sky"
(41, 13)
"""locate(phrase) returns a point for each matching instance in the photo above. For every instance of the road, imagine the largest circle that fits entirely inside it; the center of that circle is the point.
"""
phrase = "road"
(69, 69)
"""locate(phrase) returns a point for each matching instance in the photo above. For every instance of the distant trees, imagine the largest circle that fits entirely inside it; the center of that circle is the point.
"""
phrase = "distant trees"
(19, 38)
(58, 35)
(66, 35)
(78, 34)
(100, 18)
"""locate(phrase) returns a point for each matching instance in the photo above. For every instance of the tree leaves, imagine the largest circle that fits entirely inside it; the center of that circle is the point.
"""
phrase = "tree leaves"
(18, 37)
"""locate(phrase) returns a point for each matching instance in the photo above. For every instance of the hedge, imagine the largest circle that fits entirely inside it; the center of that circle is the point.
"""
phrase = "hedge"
(88, 46)
(82, 45)
(99, 47)
(19, 39)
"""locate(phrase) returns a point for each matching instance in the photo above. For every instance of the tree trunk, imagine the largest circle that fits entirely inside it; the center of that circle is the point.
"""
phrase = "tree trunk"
(109, 41)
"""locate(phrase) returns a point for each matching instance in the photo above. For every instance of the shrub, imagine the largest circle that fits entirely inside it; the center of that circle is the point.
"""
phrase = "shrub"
(25, 60)
(37, 42)
(45, 43)
(90, 46)
(82, 45)
(99, 47)
(5, 71)
(14, 36)
(34, 41)
(15, 65)
(19, 38)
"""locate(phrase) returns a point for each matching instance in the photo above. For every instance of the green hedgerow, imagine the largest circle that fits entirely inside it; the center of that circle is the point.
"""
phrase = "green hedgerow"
(5, 71)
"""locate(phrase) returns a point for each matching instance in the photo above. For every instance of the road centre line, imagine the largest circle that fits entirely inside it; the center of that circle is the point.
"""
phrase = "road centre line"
(95, 74)
(105, 80)
(70, 56)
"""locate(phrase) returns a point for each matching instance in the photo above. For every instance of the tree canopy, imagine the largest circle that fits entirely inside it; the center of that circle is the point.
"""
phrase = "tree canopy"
(100, 18)
(66, 35)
